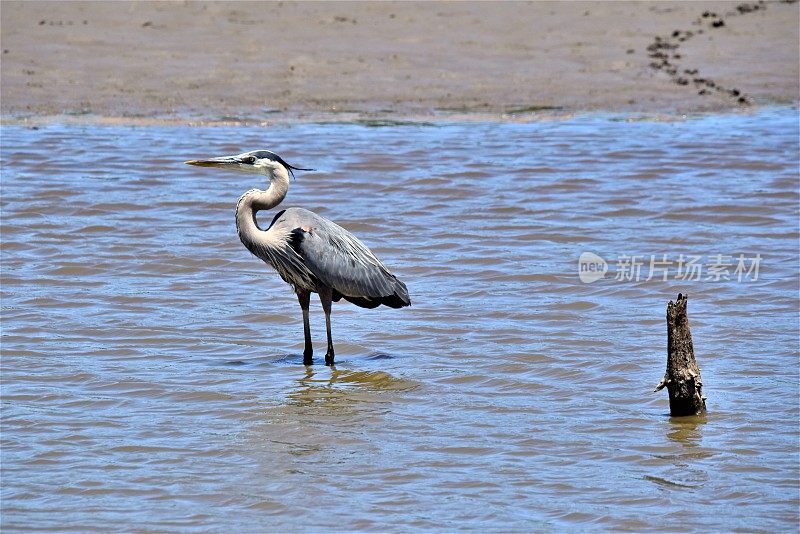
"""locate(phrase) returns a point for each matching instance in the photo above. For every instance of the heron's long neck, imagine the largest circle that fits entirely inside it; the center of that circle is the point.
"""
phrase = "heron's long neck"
(254, 201)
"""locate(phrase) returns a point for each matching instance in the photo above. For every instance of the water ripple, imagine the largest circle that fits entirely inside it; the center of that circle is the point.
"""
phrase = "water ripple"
(147, 358)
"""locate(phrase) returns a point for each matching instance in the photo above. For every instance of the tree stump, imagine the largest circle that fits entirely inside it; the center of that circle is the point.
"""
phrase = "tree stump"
(682, 379)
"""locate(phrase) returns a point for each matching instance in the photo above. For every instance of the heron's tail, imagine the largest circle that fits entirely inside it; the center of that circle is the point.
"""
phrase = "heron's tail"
(398, 299)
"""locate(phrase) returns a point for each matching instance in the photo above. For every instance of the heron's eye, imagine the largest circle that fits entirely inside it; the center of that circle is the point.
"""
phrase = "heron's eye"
(250, 160)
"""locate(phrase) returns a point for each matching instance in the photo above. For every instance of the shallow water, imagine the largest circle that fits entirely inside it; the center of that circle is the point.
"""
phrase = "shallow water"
(151, 368)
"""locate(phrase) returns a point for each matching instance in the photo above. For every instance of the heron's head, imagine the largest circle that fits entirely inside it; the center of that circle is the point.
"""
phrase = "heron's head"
(257, 161)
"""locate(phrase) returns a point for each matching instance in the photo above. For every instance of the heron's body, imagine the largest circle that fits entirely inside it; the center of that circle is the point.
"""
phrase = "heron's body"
(329, 255)
(311, 253)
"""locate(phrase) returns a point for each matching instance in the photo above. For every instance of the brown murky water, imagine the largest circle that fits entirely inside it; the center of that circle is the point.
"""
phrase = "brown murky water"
(151, 368)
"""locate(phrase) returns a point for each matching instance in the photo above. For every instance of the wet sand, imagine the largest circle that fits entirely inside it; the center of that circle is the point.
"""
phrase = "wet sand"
(152, 61)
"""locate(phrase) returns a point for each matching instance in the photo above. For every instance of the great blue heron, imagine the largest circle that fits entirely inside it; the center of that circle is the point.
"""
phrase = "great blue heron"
(310, 253)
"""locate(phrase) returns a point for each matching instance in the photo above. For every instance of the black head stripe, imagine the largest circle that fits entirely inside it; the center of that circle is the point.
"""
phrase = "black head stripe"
(282, 162)
(272, 156)
(265, 154)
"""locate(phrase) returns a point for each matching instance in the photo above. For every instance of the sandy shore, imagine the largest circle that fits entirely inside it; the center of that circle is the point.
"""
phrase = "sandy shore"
(252, 61)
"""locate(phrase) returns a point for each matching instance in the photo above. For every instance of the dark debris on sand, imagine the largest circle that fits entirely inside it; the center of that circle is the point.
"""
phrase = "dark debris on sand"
(663, 51)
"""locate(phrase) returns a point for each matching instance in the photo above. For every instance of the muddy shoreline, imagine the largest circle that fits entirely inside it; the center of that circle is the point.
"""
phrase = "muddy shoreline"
(224, 63)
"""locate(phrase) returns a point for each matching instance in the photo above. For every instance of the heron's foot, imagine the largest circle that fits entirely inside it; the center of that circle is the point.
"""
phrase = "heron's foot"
(329, 358)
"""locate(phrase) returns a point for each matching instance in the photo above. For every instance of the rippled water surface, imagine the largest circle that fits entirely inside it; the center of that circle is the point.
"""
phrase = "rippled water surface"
(151, 367)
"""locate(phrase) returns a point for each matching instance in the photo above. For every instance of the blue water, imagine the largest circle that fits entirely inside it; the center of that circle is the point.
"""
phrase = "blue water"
(151, 367)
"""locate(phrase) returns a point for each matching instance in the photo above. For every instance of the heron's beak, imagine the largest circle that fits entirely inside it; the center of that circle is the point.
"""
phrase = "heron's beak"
(225, 161)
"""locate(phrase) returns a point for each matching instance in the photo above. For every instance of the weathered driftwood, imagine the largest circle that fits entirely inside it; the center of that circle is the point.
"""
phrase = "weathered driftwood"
(683, 376)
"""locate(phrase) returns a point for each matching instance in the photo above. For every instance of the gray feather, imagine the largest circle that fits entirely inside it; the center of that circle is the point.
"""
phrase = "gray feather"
(337, 258)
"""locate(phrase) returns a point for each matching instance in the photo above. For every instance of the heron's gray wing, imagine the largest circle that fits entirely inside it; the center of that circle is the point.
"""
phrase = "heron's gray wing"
(342, 262)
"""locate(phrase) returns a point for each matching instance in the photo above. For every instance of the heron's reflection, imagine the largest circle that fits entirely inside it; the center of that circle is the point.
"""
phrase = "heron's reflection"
(317, 387)
(345, 390)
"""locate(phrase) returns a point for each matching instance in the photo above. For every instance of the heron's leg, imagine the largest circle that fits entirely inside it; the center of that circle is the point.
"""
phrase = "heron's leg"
(326, 297)
(304, 298)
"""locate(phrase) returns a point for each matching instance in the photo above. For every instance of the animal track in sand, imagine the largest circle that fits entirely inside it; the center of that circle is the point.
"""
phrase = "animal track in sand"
(665, 55)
